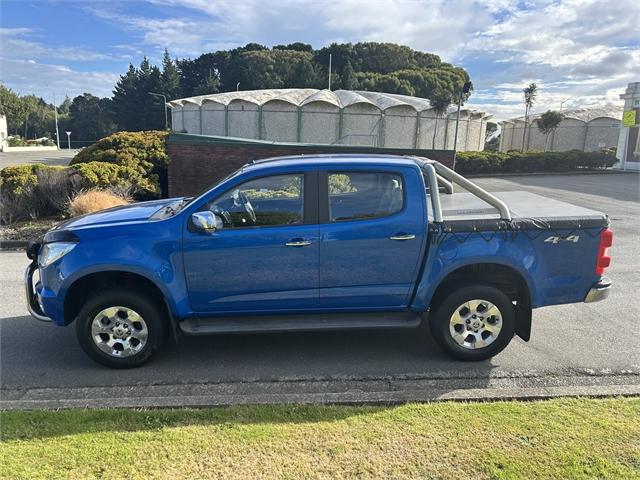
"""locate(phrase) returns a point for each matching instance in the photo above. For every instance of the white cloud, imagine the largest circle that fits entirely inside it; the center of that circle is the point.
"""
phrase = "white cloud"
(28, 76)
(19, 43)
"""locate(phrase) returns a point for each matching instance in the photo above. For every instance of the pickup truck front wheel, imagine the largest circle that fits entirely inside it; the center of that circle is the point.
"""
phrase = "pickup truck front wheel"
(474, 322)
(119, 328)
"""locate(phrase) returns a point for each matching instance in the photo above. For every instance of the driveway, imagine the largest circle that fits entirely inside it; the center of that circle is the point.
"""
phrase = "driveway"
(586, 349)
(59, 157)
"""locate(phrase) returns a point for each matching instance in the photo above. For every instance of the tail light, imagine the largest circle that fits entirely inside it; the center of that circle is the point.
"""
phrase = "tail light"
(603, 260)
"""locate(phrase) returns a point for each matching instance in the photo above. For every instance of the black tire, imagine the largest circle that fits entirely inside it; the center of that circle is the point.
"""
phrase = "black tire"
(439, 321)
(137, 301)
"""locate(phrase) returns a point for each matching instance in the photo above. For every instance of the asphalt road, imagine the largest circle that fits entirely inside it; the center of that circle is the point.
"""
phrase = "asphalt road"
(582, 348)
(54, 157)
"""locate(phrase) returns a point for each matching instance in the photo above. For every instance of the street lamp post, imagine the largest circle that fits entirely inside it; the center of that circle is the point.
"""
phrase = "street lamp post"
(465, 89)
(164, 99)
(55, 111)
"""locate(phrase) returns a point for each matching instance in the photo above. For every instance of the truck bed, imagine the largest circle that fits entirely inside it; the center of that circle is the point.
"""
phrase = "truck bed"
(466, 212)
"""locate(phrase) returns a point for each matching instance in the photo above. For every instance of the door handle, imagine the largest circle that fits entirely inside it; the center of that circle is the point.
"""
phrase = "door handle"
(298, 243)
(402, 236)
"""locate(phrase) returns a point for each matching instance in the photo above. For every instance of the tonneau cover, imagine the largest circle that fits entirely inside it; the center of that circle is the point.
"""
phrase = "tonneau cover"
(464, 212)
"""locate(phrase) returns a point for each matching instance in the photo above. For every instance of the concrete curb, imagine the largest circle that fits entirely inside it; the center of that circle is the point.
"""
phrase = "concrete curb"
(13, 244)
(382, 391)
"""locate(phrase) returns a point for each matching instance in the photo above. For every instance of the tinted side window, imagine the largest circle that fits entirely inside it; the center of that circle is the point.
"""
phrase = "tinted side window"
(267, 201)
(361, 195)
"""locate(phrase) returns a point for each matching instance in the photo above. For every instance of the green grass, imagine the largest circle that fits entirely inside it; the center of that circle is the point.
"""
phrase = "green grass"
(566, 438)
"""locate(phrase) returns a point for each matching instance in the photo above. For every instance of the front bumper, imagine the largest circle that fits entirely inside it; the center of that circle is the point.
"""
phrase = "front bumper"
(33, 305)
(599, 291)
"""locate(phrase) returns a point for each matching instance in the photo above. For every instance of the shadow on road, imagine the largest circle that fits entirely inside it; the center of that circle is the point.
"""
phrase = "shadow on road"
(36, 355)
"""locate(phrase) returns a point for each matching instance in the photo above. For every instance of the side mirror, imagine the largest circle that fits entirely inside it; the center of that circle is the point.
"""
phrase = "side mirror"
(206, 222)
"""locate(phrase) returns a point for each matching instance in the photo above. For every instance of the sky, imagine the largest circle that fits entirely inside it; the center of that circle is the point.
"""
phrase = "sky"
(580, 53)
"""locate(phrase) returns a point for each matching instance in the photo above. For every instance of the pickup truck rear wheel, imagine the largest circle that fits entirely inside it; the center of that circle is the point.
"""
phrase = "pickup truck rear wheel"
(120, 328)
(474, 322)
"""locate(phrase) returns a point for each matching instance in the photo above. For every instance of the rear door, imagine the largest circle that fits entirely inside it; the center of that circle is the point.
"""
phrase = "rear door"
(372, 237)
(265, 258)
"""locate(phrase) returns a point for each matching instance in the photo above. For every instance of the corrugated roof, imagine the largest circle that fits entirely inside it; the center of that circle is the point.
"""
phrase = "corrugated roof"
(583, 114)
(303, 96)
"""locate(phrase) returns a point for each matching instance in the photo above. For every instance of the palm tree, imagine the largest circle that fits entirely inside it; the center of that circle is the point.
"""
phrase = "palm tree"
(529, 98)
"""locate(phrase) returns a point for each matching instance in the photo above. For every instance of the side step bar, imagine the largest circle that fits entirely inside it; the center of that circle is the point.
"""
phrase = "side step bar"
(299, 323)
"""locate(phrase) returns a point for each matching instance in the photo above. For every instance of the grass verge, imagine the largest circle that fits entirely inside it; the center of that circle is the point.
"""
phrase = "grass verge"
(564, 438)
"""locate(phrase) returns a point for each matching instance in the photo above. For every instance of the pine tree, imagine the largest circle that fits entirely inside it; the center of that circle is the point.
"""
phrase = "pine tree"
(349, 80)
(170, 77)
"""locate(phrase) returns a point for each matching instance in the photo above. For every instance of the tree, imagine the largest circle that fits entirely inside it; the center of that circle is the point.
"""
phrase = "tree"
(132, 106)
(210, 85)
(530, 94)
(13, 107)
(64, 106)
(170, 77)
(548, 123)
(440, 104)
(90, 117)
(349, 81)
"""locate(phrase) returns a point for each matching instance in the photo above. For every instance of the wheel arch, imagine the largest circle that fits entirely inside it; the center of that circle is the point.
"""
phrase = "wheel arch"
(505, 277)
(79, 289)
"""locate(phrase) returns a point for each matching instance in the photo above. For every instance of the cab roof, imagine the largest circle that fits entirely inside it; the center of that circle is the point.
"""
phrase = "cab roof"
(335, 159)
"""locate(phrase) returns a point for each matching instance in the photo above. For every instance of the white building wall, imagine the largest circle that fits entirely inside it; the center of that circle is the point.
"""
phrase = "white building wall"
(280, 121)
(213, 118)
(360, 125)
(602, 133)
(243, 119)
(400, 127)
(176, 119)
(320, 122)
(191, 118)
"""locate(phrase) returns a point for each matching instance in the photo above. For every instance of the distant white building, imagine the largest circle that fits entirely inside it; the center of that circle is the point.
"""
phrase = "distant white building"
(3, 132)
(585, 129)
(342, 117)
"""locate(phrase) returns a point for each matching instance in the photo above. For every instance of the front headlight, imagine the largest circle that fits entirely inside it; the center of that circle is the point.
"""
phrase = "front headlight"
(50, 252)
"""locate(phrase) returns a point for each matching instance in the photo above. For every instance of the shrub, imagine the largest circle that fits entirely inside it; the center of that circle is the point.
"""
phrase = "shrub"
(93, 201)
(33, 191)
(528, 162)
(145, 152)
(124, 178)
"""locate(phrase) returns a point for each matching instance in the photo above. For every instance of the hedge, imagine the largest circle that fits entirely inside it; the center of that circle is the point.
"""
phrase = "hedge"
(37, 190)
(145, 152)
(528, 162)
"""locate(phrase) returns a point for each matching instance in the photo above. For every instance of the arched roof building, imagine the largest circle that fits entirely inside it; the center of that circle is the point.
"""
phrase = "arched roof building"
(585, 129)
(306, 115)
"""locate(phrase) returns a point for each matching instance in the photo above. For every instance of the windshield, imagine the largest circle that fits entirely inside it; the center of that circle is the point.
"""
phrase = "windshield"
(206, 189)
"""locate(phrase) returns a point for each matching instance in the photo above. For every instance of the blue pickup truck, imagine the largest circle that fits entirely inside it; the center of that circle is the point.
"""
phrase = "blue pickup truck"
(319, 242)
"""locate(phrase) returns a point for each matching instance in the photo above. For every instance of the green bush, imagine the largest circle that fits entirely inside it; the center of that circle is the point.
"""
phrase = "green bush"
(145, 152)
(529, 162)
(127, 179)
(34, 191)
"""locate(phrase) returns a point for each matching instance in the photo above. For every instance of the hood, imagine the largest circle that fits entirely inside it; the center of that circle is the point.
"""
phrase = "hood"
(133, 213)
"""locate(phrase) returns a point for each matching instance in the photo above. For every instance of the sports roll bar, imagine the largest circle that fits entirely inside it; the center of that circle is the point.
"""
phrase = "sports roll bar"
(435, 169)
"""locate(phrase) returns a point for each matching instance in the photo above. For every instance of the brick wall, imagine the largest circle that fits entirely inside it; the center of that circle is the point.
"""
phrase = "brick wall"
(199, 162)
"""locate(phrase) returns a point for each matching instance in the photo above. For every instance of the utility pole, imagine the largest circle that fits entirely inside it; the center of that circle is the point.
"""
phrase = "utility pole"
(55, 111)
(329, 72)
(164, 99)
(465, 89)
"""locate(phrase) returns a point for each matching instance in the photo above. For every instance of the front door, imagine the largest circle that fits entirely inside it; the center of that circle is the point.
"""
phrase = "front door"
(371, 241)
(265, 258)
